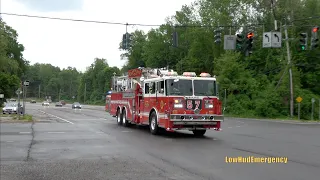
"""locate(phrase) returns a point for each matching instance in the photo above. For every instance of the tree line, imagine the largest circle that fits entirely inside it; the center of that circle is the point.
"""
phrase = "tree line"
(46, 80)
(254, 86)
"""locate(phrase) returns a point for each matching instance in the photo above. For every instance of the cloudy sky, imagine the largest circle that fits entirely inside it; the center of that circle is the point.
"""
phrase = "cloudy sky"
(76, 44)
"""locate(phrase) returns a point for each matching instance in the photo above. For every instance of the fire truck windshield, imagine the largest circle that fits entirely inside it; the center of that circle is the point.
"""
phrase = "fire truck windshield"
(183, 87)
(205, 88)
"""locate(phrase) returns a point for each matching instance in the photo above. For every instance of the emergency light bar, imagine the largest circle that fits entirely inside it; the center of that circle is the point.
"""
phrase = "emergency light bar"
(172, 73)
(205, 74)
(189, 74)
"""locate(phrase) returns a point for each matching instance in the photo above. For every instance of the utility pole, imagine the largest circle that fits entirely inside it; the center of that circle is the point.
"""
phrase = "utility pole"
(24, 99)
(19, 105)
(85, 92)
(59, 94)
(39, 90)
(225, 100)
(290, 69)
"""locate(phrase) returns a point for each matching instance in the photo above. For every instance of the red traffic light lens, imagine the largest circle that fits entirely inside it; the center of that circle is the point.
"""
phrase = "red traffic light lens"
(250, 35)
(315, 29)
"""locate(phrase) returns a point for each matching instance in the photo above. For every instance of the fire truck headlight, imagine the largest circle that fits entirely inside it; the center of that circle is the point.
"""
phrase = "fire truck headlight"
(178, 106)
(208, 104)
(178, 103)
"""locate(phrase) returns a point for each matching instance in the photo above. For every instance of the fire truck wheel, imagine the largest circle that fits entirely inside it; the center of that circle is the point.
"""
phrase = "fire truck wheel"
(153, 123)
(125, 122)
(119, 117)
(199, 133)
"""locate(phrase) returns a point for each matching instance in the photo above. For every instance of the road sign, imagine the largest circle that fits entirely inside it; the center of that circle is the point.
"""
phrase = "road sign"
(272, 39)
(266, 43)
(1, 96)
(26, 83)
(299, 99)
(18, 91)
(230, 42)
(313, 100)
(276, 39)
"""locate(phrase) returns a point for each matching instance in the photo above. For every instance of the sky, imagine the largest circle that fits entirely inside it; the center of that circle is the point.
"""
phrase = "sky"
(76, 44)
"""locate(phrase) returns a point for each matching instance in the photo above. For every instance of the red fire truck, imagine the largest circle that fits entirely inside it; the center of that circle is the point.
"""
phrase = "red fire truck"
(160, 98)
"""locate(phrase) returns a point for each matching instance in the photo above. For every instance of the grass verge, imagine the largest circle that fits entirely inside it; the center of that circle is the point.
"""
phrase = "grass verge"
(275, 118)
(15, 117)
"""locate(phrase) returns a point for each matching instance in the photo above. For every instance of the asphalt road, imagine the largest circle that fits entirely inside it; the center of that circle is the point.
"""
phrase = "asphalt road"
(88, 144)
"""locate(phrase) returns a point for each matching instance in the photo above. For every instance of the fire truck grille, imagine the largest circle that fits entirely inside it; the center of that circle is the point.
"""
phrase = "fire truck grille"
(192, 104)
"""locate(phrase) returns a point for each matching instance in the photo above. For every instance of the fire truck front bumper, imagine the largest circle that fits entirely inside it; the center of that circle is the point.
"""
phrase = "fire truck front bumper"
(195, 119)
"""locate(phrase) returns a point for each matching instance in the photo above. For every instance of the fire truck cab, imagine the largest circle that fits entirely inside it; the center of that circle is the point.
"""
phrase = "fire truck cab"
(160, 98)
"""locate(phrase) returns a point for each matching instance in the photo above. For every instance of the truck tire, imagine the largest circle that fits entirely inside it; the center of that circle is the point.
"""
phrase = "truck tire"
(153, 125)
(125, 122)
(119, 119)
(199, 133)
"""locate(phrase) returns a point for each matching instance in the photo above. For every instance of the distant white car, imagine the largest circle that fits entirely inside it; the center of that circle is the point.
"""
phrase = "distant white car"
(11, 108)
(45, 103)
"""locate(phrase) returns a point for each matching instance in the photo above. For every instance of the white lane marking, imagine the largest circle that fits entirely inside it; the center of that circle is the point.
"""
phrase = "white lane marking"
(56, 132)
(24, 132)
(84, 119)
(57, 117)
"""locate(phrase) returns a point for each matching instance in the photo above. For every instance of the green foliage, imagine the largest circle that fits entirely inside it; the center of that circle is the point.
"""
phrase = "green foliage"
(12, 63)
(257, 85)
(52, 81)
(95, 82)
(47, 80)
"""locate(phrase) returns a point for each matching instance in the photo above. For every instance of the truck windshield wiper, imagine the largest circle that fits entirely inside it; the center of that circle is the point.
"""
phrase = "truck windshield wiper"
(202, 93)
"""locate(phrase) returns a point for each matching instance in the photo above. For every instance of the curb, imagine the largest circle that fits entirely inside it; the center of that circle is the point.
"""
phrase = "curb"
(275, 120)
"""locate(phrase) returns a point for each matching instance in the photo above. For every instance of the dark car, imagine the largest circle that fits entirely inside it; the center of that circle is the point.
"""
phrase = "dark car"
(58, 104)
(33, 101)
(76, 105)
(63, 102)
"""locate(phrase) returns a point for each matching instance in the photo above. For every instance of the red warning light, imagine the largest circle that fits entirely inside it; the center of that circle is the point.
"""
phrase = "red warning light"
(315, 29)
(250, 35)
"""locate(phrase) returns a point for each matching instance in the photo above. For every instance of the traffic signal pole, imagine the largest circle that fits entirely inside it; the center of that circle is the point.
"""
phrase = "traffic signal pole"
(290, 70)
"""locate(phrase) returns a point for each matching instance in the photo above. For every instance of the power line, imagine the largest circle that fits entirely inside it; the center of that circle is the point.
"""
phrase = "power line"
(124, 24)
(76, 20)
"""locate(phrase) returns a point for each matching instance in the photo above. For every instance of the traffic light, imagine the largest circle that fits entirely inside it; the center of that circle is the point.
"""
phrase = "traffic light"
(239, 41)
(217, 36)
(314, 38)
(303, 41)
(175, 39)
(126, 40)
(249, 42)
